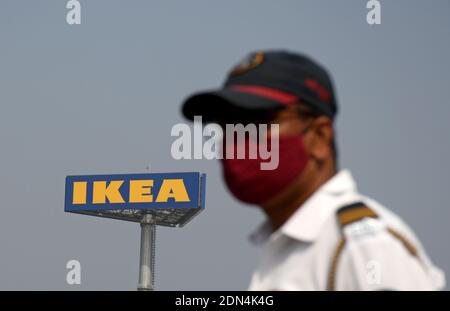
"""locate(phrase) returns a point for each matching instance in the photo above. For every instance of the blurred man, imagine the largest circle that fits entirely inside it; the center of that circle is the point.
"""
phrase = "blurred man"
(320, 234)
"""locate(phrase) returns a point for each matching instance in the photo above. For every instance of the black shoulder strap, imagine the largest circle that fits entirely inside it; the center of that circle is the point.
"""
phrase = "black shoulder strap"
(354, 212)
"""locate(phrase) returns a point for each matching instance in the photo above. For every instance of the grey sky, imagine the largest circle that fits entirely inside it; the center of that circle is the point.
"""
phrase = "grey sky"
(102, 97)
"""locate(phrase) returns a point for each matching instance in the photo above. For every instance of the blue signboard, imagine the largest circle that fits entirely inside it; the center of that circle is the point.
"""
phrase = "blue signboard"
(95, 193)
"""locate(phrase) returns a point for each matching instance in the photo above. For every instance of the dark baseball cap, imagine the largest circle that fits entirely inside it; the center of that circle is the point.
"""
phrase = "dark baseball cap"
(267, 80)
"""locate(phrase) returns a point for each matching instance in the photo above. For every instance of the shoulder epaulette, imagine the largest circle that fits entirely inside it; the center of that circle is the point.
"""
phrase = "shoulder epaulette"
(352, 213)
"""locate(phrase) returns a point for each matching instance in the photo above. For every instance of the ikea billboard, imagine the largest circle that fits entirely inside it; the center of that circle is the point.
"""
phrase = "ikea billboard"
(134, 191)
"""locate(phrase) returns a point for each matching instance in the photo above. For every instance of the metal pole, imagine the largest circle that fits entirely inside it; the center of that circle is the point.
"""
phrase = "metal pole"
(147, 254)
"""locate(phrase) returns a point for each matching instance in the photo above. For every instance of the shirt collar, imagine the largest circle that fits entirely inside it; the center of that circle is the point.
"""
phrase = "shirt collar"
(305, 224)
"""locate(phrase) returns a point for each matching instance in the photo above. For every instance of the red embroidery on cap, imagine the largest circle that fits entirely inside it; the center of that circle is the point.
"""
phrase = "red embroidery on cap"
(266, 92)
(322, 93)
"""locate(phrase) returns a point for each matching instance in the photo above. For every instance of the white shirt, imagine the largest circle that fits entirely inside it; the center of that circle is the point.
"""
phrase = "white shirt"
(298, 255)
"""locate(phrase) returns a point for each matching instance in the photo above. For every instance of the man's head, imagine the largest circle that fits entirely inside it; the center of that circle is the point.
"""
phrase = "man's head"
(268, 80)
(281, 88)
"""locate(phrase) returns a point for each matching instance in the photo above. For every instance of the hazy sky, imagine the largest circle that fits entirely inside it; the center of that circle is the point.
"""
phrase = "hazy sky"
(102, 97)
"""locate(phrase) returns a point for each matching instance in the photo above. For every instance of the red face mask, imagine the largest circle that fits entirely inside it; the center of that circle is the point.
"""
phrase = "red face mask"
(250, 184)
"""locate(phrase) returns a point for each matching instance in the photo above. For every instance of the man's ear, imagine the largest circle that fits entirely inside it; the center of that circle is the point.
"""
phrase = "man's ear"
(321, 138)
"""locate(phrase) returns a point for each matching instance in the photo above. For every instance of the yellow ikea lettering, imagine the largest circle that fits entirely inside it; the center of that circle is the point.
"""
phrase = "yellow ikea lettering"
(79, 192)
(102, 191)
(173, 188)
(140, 191)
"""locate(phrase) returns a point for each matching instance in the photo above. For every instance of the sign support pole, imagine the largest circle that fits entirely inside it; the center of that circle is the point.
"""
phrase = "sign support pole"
(147, 253)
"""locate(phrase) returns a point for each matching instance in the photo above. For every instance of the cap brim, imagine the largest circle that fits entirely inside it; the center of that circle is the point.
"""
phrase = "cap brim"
(216, 104)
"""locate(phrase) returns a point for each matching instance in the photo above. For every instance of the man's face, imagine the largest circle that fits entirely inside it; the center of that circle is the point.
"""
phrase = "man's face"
(300, 149)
